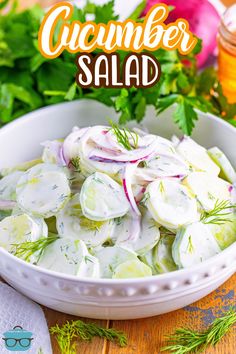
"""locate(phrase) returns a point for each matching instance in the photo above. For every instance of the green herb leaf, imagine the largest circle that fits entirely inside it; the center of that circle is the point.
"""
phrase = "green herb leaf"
(219, 214)
(186, 340)
(69, 332)
(138, 11)
(185, 116)
(26, 249)
(48, 82)
(3, 3)
(105, 13)
(126, 138)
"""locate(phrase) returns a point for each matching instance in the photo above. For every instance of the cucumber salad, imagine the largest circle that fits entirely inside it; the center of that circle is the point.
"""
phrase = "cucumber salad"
(108, 202)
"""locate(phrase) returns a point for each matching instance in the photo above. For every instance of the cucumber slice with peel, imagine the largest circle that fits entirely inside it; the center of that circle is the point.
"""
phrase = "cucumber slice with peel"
(89, 268)
(162, 255)
(65, 256)
(208, 189)
(194, 244)
(147, 258)
(111, 257)
(225, 234)
(197, 156)
(171, 204)
(43, 190)
(132, 269)
(22, 228)
(8, 185)
(102, 198)
(73, 224)
(137, 235)
(227, 171)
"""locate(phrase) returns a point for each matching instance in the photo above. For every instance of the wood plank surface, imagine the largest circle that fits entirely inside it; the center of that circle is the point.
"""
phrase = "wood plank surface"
(147, 336)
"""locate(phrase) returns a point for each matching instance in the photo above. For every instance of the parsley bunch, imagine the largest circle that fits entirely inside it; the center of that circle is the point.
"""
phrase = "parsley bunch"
(29, 81)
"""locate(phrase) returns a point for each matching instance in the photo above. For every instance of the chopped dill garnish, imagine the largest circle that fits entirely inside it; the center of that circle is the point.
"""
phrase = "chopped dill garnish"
(26, 249)
(124, 135)
(118, 221)
(161, 187)
(219, 214)
(186, 340)
(108, 243)
(190, 248)
(75, 162)
(70, 331)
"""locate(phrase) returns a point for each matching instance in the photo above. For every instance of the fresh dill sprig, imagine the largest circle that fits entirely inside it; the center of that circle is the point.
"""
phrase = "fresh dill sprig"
(124, 135)
(185, 340)
(219, 214)
(75, 162)
(70, 331)
(26, 249)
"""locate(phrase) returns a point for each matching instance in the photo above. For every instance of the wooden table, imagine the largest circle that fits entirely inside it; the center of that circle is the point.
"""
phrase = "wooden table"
(147, 336)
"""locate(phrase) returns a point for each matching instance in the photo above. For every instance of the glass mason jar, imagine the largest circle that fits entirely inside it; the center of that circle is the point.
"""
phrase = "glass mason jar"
(227, 53)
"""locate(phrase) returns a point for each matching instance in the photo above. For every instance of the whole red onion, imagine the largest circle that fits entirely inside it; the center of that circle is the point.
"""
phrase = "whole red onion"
(203, 19)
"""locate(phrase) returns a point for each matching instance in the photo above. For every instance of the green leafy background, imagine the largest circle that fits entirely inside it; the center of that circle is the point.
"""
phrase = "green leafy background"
(29, 81)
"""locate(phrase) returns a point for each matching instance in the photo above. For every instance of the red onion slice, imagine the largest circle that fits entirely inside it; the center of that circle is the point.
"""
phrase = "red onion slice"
(70, 145)
(127, 184)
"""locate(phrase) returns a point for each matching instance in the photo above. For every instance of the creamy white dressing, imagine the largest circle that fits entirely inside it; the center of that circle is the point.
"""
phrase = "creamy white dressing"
(110, 193)
(171, 203)
(194, 244)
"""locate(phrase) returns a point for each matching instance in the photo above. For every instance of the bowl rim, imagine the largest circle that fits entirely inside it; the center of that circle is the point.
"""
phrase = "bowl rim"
(30, 115)
(106, 281)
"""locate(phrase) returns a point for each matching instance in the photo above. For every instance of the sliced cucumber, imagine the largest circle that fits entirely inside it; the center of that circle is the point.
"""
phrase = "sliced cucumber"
(72, 223)
(227, 170)
(208, 188)
(194, 244)
(225, 234)
(167, 166)
(8, 185)
(139, 236)
(43, 190)
(171, 204)
(132, 269)
(19, 229)
(111, 257)
(89, 268)
(197, 156)
(21, 167)
(147, 258)
(127, 231)
(102, 198)
(65, 256)
(162, 255)
(149, 235)
(52, 152)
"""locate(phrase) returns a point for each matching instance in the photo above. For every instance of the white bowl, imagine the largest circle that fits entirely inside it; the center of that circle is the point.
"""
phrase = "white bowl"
(107, 298)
